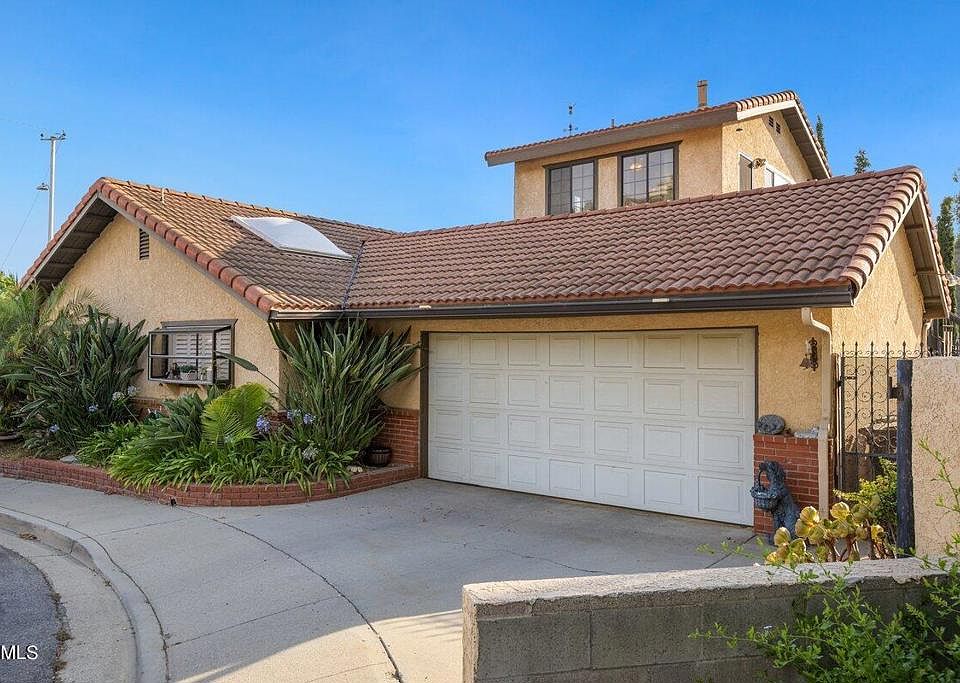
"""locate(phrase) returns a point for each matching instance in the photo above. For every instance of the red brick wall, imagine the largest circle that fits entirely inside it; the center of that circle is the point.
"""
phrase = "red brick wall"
(799, 459)
(71, 474)
(401, 432)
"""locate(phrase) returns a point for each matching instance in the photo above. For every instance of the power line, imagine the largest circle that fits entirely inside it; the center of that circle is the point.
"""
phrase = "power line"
(33, 204)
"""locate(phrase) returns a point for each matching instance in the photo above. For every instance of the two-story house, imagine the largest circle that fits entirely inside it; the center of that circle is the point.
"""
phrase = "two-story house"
(657, 291)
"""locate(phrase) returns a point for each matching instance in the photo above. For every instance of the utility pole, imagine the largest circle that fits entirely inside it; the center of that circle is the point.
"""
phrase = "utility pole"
(53, 140)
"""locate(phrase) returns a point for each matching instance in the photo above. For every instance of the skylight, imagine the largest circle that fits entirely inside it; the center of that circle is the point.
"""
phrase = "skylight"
(291, 235)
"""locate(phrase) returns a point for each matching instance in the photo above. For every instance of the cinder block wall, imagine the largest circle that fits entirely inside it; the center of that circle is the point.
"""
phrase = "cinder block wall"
(636, 627)
(936, 420)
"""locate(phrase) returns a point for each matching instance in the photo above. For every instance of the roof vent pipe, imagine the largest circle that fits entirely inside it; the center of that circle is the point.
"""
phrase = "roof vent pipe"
(701, 94)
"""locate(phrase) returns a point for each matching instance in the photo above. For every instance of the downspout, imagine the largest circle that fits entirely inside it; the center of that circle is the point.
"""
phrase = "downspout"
(925, 337)
(826, 405)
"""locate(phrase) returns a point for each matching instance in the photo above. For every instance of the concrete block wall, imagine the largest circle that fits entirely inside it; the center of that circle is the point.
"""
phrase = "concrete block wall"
(636, 627)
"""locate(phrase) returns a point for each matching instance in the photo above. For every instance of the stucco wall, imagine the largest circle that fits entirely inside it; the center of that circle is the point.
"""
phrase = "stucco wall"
(936, 420)
(889, 308)
(757, 139)
(698, 159)
(166, 287)
(783, 386)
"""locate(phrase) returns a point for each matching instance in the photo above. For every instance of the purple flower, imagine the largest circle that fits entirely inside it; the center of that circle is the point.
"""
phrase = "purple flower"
(92, 408)
(263, 425)
(117, 396)
(132, 391)
(54, 428)
(307, 419)
(291, 414)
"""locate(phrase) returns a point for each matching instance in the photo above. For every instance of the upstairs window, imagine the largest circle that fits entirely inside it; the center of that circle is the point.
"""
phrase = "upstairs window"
(773, 178)
(648, 176)
(571, 188)
(746, 173)
(190, 352)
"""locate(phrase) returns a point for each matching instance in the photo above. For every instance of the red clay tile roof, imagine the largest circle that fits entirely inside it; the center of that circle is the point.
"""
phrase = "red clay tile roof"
(802, 237)
(735, 106)
(200, 227)
(816, 234)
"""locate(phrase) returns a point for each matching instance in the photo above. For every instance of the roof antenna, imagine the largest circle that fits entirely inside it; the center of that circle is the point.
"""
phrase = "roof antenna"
(570, 127)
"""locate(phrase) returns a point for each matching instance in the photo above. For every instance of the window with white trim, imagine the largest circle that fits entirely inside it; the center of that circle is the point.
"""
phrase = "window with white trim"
(773, 178)
(191, 352)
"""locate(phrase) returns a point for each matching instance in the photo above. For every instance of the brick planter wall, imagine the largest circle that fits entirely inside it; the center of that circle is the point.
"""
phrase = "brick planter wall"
(84, 477)
(401, 433)
(799, 459)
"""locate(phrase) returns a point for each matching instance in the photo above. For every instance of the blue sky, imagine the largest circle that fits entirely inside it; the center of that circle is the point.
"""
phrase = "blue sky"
(380, 112)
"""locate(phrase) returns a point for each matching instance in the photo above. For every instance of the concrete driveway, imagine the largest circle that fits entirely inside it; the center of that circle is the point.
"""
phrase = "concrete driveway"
(360, 588)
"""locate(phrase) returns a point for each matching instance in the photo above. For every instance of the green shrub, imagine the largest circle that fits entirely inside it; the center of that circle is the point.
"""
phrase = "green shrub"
(883, 489)
(836, 635)
(78, 380)
(97, 449)
(28, 316)
(337, 372)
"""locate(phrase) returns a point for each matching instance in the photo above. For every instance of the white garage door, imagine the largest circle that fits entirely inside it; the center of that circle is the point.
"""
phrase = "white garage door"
(652, 420)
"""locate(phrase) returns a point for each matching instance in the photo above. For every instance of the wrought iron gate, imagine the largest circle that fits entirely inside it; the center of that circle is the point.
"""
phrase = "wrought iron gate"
(866, 410)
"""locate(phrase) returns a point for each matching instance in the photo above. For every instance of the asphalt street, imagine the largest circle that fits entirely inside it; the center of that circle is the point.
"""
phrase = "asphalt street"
(29, 622)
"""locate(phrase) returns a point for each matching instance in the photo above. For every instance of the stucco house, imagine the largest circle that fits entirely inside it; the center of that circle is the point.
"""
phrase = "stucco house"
(656, 292)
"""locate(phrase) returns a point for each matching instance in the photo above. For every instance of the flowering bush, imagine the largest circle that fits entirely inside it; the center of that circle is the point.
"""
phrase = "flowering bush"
(78, 380)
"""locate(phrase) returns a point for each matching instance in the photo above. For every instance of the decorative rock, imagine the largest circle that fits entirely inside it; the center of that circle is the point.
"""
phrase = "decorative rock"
(68, 458)
(812, 433)
(770, 424)
(354, 469)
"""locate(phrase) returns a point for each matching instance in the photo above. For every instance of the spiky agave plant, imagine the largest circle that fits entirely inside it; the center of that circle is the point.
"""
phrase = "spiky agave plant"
(337, 372)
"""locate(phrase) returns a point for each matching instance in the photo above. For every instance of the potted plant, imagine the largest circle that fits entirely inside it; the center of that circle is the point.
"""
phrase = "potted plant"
(188, 373)
(378, 456)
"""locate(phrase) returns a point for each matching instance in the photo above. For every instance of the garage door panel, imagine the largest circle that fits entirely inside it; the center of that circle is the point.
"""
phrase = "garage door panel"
(484, 351)
(614, 394)
(523, 351)
(663, 351)
(664, 395)
(721, 398)
(525, 431)
(666, 490)
(567, 351)
(447, 386)
(615, 351)
(446, 350)
(613, 440)
(485, 467)
(567, 478)
(485, 427)
(614, 485)
(523, 473)
(565, 433)
(446, 424)
(567, 391)
(723, 449)
(657, 420)
(722, 499)
(484, 388)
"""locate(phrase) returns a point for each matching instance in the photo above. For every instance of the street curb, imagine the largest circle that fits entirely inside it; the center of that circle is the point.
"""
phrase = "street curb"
(151, 658)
